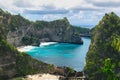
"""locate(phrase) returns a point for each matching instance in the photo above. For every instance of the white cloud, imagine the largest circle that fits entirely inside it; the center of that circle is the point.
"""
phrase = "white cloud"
(22, 4)
(84, 18)
(77, 11)
(105, 3)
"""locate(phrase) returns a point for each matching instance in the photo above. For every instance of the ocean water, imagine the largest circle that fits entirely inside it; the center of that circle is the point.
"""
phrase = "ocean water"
(62, 54)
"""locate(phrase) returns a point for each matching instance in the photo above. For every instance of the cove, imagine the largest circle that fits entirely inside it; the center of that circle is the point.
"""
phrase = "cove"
(63, 54)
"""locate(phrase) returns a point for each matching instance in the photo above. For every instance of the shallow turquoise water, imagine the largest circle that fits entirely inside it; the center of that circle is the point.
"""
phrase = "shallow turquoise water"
(63, 54)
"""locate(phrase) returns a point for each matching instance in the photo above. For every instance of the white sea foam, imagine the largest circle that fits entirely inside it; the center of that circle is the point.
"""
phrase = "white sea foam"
(47, 43)
(25, 48)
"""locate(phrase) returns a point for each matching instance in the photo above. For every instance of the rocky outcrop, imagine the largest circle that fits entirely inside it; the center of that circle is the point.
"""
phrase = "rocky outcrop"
(21, 31)
(104, 44)
(55, 31)
(41, 31)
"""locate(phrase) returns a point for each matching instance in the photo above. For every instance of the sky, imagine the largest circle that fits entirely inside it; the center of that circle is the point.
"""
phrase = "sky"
(78, 12)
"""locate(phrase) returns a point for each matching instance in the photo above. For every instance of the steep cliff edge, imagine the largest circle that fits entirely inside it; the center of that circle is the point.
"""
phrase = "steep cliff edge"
(54, 31)
(105, 44)
(21, 31)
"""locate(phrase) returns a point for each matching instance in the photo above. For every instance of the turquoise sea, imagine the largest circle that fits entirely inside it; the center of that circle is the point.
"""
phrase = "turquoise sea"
(63, 54)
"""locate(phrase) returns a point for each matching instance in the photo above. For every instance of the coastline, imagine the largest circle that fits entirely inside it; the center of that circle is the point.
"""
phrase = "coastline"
(29, 47)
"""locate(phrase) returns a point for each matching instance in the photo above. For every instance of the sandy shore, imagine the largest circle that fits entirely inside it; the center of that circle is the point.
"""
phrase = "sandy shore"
(42, 77)
(25, 48)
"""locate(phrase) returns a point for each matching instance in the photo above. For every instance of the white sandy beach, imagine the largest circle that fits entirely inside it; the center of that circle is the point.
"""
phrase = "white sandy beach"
(25, 48)
(43, 77)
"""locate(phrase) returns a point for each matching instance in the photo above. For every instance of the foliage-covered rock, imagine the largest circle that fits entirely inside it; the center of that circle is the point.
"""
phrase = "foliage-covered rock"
(104, 44)
(21, 31)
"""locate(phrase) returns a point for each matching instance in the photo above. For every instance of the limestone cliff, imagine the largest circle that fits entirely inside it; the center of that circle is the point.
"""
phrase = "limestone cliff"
(21, 31)
(32, 33)
(55, 31)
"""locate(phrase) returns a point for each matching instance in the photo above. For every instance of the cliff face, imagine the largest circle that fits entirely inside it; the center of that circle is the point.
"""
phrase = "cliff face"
(55, 31)
(41, 31)
(17, 29)
(21, 31)
(105, 44)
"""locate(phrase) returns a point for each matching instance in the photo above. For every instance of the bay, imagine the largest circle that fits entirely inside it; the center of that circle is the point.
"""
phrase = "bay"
(63, 54)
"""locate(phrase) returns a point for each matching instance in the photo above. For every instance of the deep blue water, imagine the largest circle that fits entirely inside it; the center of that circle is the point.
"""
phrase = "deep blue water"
(63, 54)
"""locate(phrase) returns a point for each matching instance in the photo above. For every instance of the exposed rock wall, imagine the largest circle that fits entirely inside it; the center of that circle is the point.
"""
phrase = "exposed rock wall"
(41, 31)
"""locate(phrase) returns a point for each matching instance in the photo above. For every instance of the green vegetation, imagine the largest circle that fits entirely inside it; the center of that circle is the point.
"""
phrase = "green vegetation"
(18, 21)
(28, 40)
(105, 44)
(108, 70)
(116, 42)
(3, 32)
(70, 70)
(30, 66)
(81, 30)
(1, 11)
